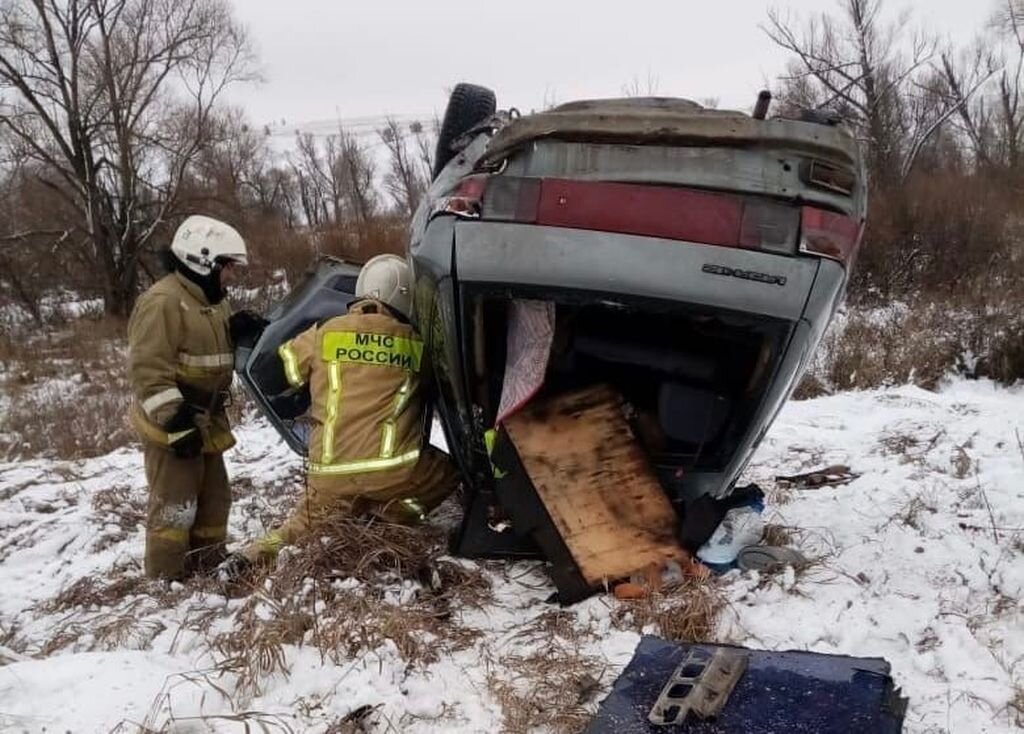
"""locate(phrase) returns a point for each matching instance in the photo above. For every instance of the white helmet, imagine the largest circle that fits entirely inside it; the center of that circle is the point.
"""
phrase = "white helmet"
(200, 241)
(386, 278)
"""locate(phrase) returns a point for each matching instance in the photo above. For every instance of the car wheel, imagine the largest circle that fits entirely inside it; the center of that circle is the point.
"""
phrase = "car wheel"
(469, 105)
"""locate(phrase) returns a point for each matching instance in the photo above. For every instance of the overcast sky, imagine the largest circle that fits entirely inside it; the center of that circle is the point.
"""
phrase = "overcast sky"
(325, 59)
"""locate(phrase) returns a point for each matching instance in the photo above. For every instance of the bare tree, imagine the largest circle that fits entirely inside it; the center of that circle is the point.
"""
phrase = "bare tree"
(637, 87)
(237, 174)
(314, 178)
(29, 265)
(991, 120)
(1009, 24)
(15, 279)
(406, 179)
(356, 172)
(550, 99)
(426, 143)
(112, 100)
(958, 75)
(335, 177)
(871, 72)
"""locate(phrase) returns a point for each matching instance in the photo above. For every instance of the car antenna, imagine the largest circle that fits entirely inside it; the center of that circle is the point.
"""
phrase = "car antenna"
(764, 98)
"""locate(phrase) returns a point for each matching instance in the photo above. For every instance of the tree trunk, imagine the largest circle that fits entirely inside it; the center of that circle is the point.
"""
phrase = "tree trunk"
(120, 273)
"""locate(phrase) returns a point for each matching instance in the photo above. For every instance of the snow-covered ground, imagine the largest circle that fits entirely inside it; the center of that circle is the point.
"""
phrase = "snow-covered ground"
(920, 560)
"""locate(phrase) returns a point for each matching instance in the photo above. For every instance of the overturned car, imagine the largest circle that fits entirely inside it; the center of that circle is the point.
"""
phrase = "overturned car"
(687, 259)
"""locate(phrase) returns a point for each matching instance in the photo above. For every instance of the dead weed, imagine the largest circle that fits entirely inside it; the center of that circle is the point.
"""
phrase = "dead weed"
(777, 535)
(552, 689)
(352, 587)
(114, 611)
(961, 461)
(924, 341)
(90, 592)
(686, 612)
(1016, 704)
(119, 506)
(912, 512)
(125, 628)
(68, 391)
(909, 448)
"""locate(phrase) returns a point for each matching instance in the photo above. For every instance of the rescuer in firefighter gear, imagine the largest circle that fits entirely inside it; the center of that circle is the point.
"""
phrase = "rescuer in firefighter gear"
(180, 341)
(367, 454)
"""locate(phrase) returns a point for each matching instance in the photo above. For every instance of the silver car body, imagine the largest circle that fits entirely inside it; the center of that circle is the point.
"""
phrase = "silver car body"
(658, 143)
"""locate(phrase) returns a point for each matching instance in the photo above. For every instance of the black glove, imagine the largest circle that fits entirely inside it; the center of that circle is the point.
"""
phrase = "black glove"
(184, 438)
(245, 327)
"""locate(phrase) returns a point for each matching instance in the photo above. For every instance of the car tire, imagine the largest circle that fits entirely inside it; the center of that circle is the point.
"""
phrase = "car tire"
(469, 105)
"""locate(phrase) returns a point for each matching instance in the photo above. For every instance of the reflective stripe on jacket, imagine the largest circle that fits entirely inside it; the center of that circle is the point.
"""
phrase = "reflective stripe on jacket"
(363, 371)
(179, 350)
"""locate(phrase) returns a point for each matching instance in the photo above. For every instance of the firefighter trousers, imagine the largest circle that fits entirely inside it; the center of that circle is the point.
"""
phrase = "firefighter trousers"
(186, 522)
(405, 496)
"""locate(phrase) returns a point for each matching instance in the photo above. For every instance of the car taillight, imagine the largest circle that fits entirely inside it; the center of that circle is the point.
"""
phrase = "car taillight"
(654, 211)
(830, 234)
(670, 212)
(466, 198)
(769, 226)
(512, 199)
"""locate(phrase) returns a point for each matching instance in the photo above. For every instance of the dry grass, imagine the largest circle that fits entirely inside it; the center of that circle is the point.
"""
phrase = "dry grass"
(267, 504)
(978, 332)
(777, 535)
(358, 721)
(552, 683)
(352, 587)
(11, 642)
(119, 506)
(161, 717)
(810, 386)
(90, 592)
(687, 612)
(115, 611)
(247, 721)
(1005, 358)
(896, 348)
(106, 616)
(274, 248)
(961, 461)
(67, 389)
(126, 628)
(912, 512)
(551, 689)
(1016, 705)
(55, 426)
(908, 448)
(553, 625)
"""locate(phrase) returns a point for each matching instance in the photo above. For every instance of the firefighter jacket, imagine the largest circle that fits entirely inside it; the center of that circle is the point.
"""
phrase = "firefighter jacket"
(363, 371)
(179, 350)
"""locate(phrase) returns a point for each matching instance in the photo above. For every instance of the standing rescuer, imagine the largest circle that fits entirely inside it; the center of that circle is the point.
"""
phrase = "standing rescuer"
(367, 454)
(180, 341)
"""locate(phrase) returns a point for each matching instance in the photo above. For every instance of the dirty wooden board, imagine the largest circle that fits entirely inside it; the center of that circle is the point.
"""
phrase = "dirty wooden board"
(596, 483)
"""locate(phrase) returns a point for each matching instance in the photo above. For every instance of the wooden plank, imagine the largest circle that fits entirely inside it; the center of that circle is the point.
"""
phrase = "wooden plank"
(597, 484)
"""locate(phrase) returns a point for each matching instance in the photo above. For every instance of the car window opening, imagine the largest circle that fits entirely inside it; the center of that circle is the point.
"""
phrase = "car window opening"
(691, 380)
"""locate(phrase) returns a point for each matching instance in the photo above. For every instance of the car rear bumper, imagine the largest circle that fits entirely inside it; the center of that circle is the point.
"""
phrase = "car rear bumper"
(551, 257)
